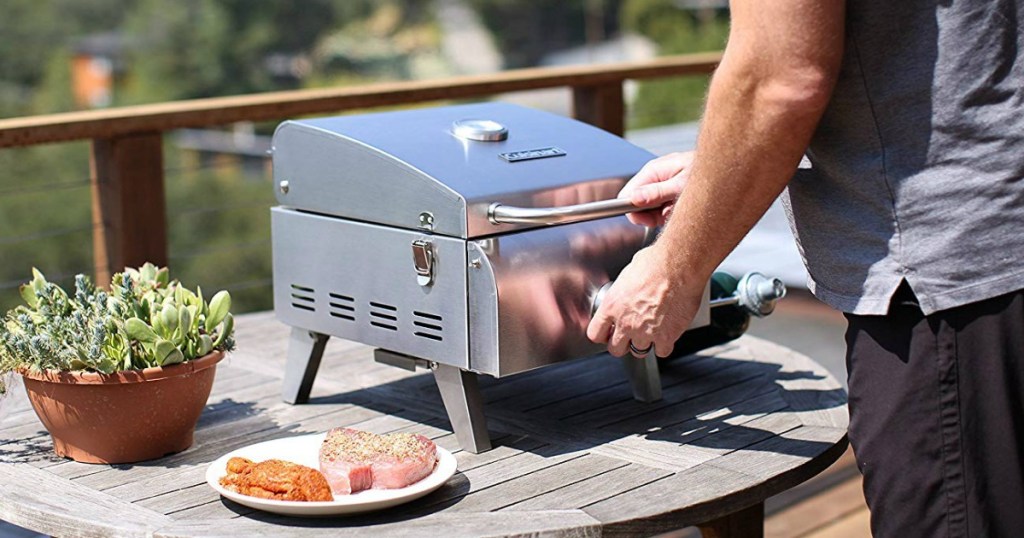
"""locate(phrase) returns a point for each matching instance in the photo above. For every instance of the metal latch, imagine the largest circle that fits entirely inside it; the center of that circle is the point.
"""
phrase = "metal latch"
(423, 261)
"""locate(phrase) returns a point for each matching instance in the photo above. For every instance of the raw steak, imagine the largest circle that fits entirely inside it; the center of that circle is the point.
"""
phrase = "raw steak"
(354, 460)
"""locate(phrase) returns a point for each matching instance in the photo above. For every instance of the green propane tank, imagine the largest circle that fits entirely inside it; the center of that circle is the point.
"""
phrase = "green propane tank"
(728, 321)
(731, 303)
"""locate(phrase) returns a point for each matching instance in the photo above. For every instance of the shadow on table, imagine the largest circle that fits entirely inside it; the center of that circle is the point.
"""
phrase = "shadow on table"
(710, 402)
(704, 396)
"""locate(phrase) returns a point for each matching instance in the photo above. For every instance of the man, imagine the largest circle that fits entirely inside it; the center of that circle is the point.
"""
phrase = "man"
(911, 222)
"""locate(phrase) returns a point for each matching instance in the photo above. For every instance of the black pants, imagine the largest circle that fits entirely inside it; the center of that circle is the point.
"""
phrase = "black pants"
(937, 417)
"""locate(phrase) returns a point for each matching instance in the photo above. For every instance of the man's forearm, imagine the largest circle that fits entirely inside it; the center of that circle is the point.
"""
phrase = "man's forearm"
(761, 112)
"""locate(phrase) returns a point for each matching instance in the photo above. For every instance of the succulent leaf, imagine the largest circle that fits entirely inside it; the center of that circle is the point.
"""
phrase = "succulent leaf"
(225, 331)
(158, 324)
(165, 351)
(28, 294)
(140, 330)
(219, 307)
(184, 320)
(175, 357)
(169, 316)
(205, 345)
(163, 277)
(38, 280)
(147, 272)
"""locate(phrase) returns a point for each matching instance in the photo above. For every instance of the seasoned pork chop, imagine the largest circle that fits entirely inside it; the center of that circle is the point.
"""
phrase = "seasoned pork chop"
(354, 460)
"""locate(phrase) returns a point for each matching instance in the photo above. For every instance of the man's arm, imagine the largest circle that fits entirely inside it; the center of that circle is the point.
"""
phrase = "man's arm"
(765, 100)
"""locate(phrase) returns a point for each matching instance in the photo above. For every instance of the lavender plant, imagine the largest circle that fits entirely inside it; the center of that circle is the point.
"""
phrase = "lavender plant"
(145, 320)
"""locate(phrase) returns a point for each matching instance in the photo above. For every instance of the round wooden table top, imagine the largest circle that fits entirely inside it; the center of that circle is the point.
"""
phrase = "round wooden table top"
(574, 453)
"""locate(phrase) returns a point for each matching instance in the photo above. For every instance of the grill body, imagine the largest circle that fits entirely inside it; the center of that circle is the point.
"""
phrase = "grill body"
(386, 234)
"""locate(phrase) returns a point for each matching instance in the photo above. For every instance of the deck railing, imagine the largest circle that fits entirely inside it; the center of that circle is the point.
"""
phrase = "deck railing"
(127, 174)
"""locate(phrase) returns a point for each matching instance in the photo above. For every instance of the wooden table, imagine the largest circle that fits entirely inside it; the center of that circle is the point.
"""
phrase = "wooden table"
(574, 454)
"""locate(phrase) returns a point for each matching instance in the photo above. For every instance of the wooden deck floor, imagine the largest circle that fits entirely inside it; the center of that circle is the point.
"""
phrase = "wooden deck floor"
(830, 505)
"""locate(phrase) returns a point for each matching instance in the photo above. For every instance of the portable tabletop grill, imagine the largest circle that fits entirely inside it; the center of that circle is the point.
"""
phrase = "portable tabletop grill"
(469, 239)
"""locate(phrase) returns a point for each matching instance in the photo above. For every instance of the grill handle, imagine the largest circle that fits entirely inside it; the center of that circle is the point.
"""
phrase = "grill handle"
(505, 214)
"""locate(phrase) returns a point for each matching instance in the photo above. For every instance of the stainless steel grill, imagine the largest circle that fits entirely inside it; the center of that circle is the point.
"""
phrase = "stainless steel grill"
(470, 239)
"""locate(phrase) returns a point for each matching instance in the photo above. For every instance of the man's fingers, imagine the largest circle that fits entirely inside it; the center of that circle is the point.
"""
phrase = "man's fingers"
(599, 328)
(657, 194)
(649, 219)
(618, 344)
(663, 347)
(657, 170)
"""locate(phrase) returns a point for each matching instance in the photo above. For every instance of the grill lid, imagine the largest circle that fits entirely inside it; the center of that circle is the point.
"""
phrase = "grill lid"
(441, 168)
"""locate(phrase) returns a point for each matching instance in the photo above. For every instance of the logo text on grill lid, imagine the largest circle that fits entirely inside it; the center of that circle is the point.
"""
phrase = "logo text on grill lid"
(531, 154)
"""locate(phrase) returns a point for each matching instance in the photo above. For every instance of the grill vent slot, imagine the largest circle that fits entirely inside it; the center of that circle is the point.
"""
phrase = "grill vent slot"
(428, 325)
(342, 306)
(380, 315)
(303, 298)
(384, 316)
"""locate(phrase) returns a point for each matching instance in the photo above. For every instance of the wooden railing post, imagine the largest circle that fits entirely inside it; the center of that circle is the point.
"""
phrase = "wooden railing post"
(128, 209)
(601, 106)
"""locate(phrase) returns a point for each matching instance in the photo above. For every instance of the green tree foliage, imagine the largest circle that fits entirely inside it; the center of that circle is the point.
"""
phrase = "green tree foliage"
(219, 233)
(675, 31)
(527, 30)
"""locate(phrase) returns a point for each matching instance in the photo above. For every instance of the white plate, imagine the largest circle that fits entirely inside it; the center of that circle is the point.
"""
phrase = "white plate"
(305, 450)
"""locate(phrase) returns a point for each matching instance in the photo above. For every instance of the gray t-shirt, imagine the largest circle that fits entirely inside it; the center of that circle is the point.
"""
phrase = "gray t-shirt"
(918, 162)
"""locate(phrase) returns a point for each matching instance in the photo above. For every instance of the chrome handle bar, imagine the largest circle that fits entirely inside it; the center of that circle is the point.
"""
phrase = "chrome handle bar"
(504, 214)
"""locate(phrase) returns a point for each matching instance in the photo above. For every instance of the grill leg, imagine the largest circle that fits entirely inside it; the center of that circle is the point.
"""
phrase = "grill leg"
(644, 377)
(305, 348)
(461, 396)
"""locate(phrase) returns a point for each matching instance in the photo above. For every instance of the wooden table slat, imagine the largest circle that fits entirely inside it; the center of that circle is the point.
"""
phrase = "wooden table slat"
(537, 483)
(61, 508)
(657, 506)
(591, 490)
(562, 523)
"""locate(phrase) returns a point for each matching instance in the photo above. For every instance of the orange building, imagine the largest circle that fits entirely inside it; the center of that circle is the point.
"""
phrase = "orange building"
(95, 65)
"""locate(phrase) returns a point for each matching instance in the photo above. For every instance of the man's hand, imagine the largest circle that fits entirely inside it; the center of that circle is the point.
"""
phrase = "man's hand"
(659, 183)
(648, 304)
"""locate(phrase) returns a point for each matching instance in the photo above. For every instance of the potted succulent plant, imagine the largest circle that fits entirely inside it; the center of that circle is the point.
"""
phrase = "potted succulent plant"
(118, 376)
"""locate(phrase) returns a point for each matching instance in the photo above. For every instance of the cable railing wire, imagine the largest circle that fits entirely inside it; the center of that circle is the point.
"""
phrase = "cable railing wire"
(249, 284)
(46, 187)
(45, 234)
(182, 170)
(178, 215)
(237, 247)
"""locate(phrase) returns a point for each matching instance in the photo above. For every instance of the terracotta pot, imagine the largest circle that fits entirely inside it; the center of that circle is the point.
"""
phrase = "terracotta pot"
(122, 417)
